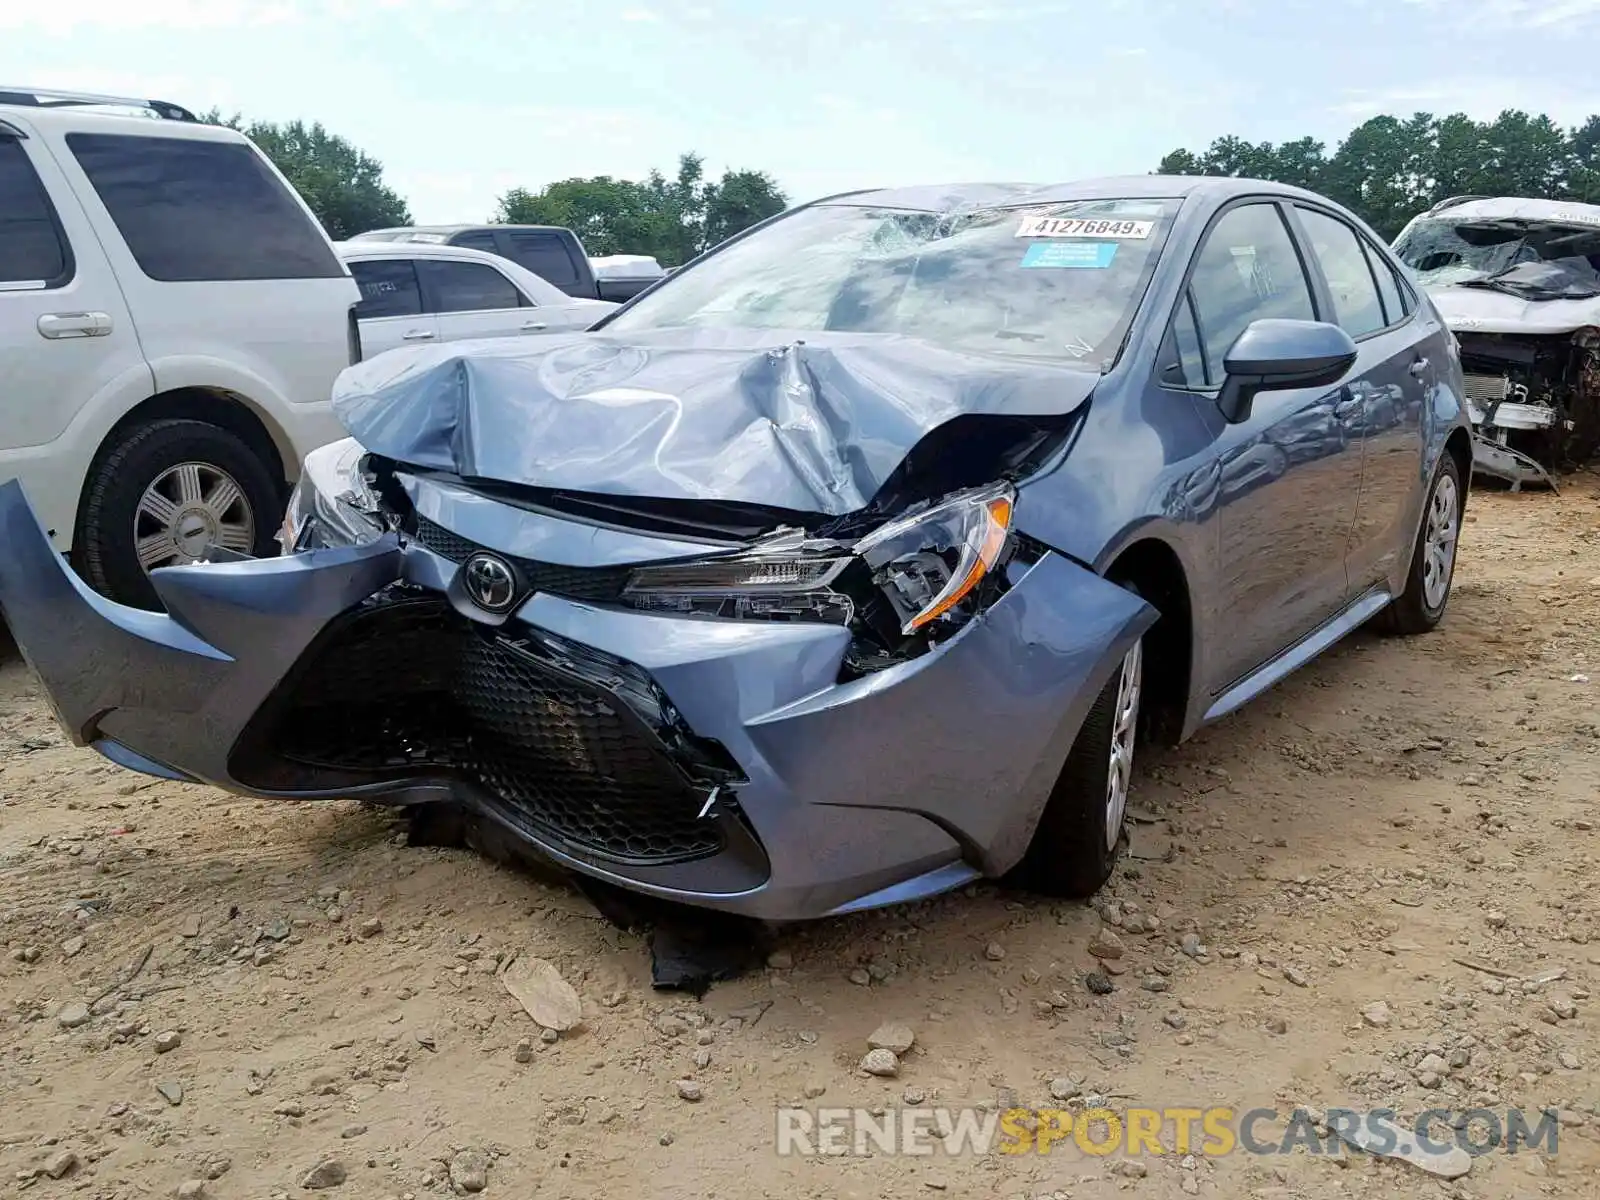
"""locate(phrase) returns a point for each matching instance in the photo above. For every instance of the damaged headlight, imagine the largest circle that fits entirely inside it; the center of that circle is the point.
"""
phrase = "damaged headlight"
(334, 503)
(901, 587)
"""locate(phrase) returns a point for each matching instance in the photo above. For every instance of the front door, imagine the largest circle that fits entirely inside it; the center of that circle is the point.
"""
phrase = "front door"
(66, 339)
(475, 300)
(1290, 474)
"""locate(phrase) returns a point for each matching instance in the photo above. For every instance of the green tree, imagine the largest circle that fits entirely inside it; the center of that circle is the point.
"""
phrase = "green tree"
(1388, 169)
(341, 184)
(672, 217)
(737, 201)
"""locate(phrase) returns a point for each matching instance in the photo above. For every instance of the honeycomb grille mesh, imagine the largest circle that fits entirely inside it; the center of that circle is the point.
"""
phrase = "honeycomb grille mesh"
(414, 686)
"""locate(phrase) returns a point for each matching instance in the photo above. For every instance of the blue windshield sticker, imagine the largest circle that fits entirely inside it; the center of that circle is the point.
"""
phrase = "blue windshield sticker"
(1094, 255)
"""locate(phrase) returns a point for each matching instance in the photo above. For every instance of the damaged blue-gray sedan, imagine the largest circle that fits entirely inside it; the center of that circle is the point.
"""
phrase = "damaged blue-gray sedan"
(842, 567)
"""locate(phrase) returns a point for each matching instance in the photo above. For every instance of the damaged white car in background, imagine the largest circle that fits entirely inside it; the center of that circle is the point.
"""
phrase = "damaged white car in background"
(1518, 282)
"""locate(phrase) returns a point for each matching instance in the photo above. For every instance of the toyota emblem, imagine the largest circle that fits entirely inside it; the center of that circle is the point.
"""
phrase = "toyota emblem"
(490, 582)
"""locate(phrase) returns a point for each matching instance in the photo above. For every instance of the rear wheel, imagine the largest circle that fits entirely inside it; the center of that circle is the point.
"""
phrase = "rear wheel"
(1075, 847)
(162, 495)
(1433, 560)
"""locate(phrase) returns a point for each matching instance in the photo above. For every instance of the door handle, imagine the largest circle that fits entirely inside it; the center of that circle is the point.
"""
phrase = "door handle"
(74, 325)
(1419, 368)
(535, 326)
(417, 335)
(1347, 405)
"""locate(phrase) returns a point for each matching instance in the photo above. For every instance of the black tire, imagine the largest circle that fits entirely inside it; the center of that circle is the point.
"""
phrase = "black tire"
(1411, 613)
(1073, 851)
(104, 546)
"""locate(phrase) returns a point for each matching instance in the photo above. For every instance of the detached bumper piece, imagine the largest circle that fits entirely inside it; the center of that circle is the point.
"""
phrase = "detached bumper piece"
(570, 745)
(1499, 461)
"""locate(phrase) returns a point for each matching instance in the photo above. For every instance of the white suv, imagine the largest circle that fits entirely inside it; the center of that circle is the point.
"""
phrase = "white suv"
(172, 318)
(420, 292)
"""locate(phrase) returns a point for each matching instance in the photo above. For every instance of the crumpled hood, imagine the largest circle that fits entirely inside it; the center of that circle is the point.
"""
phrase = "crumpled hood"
(1480, 310)
(813, 423)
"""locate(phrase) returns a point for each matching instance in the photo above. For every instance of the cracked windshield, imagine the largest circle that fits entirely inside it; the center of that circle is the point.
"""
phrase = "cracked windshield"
(1060, 282)
(1547, 258)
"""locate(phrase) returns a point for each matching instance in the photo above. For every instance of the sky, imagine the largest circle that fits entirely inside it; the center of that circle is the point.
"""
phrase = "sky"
(463, 99)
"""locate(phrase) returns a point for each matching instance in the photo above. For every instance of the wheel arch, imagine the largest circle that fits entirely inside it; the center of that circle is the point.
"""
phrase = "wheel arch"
(1459, 447)
(214, 406)
(1153, 568)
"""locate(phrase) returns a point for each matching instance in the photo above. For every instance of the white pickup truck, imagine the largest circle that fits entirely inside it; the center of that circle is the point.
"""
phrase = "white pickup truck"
(172, 318)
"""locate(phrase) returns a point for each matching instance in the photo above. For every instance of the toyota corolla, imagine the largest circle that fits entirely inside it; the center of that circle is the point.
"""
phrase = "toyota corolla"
(847, 565)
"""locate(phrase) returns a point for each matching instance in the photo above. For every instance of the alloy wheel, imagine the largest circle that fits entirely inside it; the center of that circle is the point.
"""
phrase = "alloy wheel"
(188, 509)
(1439, 542)
(1124, 728)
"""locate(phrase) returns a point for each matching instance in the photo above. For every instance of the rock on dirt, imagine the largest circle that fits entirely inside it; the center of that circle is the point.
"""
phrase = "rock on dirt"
(469, 1170)
(544, 995)
(73, 1014)
(881, 1062)
(1377, 1014)
(893, 1036)
(329, 1173)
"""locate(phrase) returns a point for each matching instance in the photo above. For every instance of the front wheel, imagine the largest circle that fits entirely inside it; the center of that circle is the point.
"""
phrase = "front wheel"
(1075, 847)
(162, 495)
(1433, 560)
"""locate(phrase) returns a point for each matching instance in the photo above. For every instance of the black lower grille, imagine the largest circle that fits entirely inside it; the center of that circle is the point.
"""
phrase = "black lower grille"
(408, 685)
(599, 585)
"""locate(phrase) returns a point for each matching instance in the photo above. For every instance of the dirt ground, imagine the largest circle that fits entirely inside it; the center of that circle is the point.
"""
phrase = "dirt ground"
(1396, 811)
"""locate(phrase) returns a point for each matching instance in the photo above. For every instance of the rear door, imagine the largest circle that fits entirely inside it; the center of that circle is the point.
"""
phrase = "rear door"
(1289, 475)
(1391, 378)
(473, 300)
(390, 313)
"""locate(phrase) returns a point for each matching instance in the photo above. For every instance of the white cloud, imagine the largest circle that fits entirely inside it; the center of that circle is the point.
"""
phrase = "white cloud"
(643, 15)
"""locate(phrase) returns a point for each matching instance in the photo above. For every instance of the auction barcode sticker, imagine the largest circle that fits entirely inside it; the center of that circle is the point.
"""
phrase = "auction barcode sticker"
(1085, 227)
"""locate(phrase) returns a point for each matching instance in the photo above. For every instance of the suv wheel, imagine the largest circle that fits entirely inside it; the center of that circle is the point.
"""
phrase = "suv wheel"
(1075, 846)
(1433, 560)
(165, 493)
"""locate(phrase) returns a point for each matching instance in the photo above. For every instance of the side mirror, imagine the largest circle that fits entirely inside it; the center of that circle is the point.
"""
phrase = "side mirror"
(1274, 355)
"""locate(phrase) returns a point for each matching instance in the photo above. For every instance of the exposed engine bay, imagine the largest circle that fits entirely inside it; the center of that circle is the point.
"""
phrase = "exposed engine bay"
(1534, 401)
(1518, 282)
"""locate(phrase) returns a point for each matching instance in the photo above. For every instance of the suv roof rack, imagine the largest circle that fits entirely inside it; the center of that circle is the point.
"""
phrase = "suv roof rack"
(50, 98)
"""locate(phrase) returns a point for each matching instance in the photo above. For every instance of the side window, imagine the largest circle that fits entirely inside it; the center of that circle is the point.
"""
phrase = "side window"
(466, 287)
(33, 251)
(1248, 269)
(201, 210)
(545, 254)
(478, 239)
(389, 288)
(1396, 303)
(1356, 305)
(1185, 364)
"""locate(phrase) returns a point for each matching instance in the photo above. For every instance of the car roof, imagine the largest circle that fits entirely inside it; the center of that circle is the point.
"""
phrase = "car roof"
(380, 249)
(44, 120)
(955, 196)
(1519, 208)
(452, 230)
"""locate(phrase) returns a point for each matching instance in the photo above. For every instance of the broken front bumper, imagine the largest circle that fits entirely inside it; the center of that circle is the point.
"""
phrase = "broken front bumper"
(719, 763)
